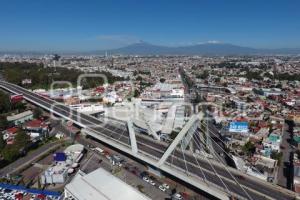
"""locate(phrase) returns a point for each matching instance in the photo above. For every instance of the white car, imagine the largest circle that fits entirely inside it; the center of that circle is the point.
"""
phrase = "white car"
(177, 196)
(162, 188)
(166, 186)
(146, 179)
(151, 182)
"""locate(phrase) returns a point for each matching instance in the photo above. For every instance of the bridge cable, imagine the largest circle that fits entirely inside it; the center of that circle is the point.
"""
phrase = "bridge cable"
(226, 167)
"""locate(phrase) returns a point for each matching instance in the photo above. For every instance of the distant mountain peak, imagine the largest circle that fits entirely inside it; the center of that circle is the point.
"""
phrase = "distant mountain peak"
(207, 48)
(212, 42)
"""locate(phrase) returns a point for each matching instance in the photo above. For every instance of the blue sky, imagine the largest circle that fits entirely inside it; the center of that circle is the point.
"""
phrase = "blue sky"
(96, 24)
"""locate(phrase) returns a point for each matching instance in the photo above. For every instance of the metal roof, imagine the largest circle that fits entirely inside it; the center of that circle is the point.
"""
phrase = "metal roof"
(102, 185)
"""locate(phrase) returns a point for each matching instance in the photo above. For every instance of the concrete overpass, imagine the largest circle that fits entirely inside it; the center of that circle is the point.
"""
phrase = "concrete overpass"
(180, 164)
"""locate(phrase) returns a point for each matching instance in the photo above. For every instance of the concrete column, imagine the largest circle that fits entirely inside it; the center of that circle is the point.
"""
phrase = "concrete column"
(131, 131)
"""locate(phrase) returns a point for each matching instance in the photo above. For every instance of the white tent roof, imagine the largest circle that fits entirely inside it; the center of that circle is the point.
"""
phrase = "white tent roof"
(102, 185)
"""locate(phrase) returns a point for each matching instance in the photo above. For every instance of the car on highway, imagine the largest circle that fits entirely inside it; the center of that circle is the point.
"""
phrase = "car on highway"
(240, 177)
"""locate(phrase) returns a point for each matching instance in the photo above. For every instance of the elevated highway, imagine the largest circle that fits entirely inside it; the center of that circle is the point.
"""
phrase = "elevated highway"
(208, 176)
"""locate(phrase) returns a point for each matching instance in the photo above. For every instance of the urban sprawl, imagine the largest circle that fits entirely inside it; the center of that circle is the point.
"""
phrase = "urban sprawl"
(240, 114)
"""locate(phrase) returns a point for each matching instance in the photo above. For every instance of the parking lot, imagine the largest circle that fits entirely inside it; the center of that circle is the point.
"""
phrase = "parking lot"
(133, 173)
(8, 193)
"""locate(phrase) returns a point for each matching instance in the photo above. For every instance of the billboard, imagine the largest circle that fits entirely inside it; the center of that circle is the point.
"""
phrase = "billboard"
(238, 127)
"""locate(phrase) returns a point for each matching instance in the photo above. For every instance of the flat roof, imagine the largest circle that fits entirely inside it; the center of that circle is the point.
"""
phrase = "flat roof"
(102, 185)
(19, 115)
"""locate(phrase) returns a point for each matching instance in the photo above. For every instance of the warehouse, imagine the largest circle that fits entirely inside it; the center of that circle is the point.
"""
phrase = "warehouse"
(100, 185)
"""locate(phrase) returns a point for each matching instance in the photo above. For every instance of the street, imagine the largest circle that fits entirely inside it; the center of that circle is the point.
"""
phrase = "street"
(285, 169)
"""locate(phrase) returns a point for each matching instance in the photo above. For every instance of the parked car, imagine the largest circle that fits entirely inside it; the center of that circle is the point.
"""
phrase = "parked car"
(162, 188)
(151, 182)
(166, 186)
(177, 196)
(146, 179)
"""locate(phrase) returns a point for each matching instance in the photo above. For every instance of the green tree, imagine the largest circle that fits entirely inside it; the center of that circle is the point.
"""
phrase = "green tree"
(3, 123)
(173, 134)
(249, 148)
(203, 75)
(22, 139)
(19, 106)
(4, 102)
(162, 80)
(298, 153)
(37, 113)
(139, 78)
(2, 143)
(10, 153)
(276, 156)
(217, 80)
(136, 93)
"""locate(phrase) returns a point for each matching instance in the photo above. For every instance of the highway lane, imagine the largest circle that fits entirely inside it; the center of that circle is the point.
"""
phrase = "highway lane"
(115, 131)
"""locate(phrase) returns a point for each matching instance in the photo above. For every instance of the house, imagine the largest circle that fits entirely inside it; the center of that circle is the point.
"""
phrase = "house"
(36, 128)
(9, 134)
(273, 142)
(20, 118)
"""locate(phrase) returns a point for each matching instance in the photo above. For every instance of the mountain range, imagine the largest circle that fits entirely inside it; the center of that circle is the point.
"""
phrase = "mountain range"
(144, 48)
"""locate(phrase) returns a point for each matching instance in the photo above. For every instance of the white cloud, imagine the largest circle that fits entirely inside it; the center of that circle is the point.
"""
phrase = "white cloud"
(214, 42)
(210, 42)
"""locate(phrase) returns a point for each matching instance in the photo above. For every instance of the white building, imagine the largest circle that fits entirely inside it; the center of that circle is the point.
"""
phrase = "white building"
(100, 185)
(20, 118)
(58, 173)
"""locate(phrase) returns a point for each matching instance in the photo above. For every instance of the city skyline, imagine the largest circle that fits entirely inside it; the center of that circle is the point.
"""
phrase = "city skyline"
(95, 25)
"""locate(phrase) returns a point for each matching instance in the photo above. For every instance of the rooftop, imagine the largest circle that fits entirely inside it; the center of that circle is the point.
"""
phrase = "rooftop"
(101, 185)
(19, 116)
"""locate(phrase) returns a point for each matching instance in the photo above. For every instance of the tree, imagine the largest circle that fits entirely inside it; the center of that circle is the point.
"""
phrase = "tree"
(298, 153)
(162, 80)
(276, 156)
(203, 75)
(37, 113)
(19, 106)
(173, 134)
(136, 93)
(2, 143)
(22, 139)
(3, 122)
(139, 78)
(217, 80)
(10, 153)
(4, 102)
(249, 148)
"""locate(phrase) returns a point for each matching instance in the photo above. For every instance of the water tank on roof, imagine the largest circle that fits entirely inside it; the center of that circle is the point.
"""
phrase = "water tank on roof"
(74, 165)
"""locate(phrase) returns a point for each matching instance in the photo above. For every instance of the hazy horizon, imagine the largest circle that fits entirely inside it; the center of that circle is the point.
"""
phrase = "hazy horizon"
(101, 25)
